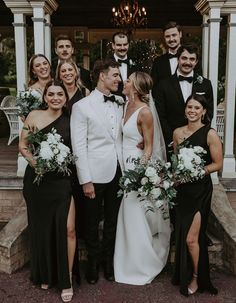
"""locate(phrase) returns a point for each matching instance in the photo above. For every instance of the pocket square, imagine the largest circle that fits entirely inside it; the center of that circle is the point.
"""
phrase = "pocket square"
(200, 93)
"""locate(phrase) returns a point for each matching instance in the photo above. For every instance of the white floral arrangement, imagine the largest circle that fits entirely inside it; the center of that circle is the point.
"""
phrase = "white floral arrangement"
(50, 153)
(119, 100)
(153, 182)
(27, 101)
(187, 164)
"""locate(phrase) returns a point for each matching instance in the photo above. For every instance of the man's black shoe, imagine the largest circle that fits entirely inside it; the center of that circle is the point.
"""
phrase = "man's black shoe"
(108, 270)
(92, 273)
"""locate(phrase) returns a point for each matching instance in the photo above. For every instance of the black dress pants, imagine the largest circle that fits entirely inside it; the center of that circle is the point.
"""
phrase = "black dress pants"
(105, 200)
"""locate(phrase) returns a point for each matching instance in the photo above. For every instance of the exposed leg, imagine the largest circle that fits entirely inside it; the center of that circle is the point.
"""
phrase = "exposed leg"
(67, 294)
(193, 247)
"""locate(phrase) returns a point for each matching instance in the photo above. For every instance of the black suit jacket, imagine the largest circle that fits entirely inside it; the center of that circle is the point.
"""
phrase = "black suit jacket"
(84, 74)
(170, 103)
(130, 69)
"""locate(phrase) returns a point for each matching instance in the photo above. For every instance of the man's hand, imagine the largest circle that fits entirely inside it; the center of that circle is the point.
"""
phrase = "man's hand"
(140, 145)
(89, 191)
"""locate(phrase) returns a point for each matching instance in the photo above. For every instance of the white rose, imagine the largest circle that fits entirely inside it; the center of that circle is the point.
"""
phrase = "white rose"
(45, 151)
(36, 94)
(51, 139)
(155, 179)
(60, 159)
(167, 165)
(63, 147)
(144, 180)
(155, 192)
(127, 181)
(150, 171)
(166, 184)
(56, 151)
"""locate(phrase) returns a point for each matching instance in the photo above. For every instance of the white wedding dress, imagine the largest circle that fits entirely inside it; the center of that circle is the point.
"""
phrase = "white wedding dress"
(139, 256)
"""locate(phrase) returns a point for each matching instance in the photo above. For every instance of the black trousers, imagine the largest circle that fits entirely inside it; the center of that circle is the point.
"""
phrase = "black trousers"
(107, 203)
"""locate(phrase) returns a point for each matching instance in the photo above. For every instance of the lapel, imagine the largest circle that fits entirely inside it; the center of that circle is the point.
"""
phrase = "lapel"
(197, 87)
(177, 88)
(166, 64)
(101, 116)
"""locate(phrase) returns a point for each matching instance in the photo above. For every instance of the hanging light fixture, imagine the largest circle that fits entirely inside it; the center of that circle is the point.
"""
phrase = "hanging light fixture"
(129, 15)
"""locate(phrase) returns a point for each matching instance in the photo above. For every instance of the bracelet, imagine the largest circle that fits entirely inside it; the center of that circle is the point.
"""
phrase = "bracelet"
(207, 172)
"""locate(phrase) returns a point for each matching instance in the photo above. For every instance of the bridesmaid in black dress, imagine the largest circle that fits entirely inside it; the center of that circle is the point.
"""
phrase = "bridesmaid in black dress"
(50, 206)
(67, 72)
(193, 202)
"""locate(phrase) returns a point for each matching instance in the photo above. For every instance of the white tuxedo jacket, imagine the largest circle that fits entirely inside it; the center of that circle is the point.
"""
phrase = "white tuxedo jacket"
(93, 142)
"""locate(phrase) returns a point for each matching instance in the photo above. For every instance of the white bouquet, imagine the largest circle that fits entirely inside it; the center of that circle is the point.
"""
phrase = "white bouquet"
(187, 164)
(27, 101)
(50, 153)
(153, 182)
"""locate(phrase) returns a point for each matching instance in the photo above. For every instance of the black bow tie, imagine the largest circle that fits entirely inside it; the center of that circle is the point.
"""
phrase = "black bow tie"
(109, 98)
(182, 78)
(126, 61)
(170, 56)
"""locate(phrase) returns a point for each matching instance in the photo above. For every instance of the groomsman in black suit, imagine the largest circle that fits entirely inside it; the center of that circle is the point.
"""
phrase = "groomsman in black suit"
(64, 49)
(173, 91)
(165, 65)
(120, 46)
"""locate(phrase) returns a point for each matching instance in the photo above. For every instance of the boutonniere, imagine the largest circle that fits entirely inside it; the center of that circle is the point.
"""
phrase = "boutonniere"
(131, 62)
(199, 79)
(119, 101)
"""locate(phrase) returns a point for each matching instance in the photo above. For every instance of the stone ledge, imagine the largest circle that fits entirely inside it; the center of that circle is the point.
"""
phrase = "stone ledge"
(14, 245)
(222, 224)
(11, 183)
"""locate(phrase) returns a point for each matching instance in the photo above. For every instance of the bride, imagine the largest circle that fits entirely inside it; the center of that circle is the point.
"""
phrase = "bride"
(140, 252)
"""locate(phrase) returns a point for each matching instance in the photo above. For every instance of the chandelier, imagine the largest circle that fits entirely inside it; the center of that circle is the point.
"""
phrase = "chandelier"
(129, 15)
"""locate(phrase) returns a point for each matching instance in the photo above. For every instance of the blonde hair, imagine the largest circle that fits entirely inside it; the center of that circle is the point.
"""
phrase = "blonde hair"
(142, 83)
(78, 81)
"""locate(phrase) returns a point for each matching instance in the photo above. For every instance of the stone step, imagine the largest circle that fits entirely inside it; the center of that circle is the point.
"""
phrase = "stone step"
(11, 183)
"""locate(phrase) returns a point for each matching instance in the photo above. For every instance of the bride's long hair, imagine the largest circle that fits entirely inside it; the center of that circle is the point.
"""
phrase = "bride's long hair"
(142, 83)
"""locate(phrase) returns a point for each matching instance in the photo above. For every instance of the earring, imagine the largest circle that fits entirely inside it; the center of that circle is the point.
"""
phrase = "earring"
(203, 116)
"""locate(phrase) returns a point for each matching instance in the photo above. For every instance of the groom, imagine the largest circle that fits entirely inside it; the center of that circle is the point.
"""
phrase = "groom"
(96, 141)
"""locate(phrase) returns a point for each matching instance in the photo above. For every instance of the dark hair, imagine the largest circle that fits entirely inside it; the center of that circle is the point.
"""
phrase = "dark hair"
(120, 35)
(192, 48)
(32, 78)
(103, 66)
(203, 101)
(171, 24)
(63, 37)
(55, 83)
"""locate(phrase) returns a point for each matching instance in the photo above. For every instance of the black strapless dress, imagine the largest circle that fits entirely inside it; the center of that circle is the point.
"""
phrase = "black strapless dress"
(192, 198)
(48, 206)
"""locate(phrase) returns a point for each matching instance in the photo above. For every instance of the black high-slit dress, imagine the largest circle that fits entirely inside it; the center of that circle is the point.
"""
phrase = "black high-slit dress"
(48, 205)
(193, 197)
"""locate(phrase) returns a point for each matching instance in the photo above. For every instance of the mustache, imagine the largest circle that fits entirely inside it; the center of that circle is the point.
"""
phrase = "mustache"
(187, 65)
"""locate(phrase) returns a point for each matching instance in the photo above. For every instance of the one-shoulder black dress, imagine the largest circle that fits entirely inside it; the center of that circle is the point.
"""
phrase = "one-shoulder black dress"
(48, 206)
(192, 198)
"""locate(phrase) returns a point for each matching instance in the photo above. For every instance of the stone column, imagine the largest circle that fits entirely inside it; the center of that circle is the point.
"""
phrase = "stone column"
(48, 36)
(213, 53)
(21, 71)
(229, 158)
(39, 23)
(21, 50)
(205, 40)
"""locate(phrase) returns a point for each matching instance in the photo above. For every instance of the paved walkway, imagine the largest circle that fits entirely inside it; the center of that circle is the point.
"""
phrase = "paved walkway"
(17, 288)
